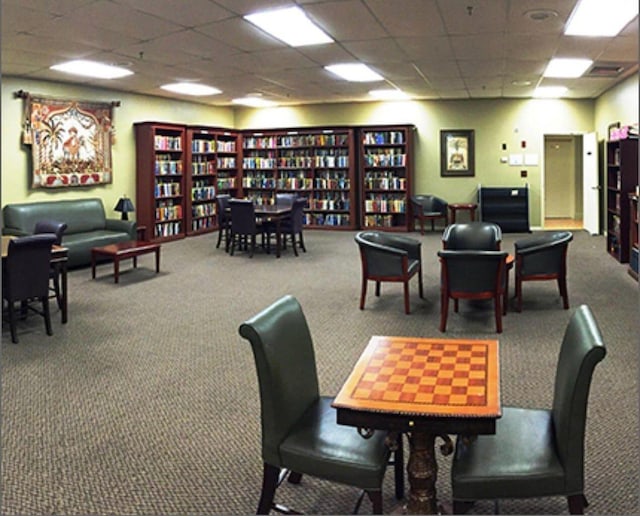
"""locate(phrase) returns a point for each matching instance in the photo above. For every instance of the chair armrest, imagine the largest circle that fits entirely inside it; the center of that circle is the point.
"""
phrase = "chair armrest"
(128, 226)
(536, 244)
(15, 232)
(410, 245)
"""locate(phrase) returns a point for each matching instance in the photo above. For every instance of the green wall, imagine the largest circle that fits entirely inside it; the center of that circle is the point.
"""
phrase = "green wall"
(495, 121)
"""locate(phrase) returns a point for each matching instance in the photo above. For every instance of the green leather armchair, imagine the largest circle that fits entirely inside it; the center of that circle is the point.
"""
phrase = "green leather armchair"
(389, 257)
(300, 432)
(537, 452)
(472, 236)
(543, 257)
(429, 207)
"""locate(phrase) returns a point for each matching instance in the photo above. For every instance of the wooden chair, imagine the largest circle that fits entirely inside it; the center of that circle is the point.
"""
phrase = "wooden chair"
(224, 220)
(25, 278)
(429, 207)
(56, 228)
(389, 257)
(541, 258)
(300, 434)
(472, 275)
(536, 452)
(244, 226)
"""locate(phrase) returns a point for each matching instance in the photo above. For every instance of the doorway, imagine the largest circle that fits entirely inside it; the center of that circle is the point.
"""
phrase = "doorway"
(563, 182)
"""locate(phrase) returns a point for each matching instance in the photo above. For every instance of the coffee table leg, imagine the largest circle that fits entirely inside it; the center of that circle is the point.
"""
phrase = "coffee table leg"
(135, 261)
(93, 265)
(63, 291)
(157, 260)
(116, 268)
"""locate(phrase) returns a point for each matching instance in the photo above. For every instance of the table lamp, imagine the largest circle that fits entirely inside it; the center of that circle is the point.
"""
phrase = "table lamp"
(124, 206)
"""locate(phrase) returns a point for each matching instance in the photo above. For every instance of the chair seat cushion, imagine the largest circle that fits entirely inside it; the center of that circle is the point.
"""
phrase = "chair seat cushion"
(317, 445)
(520, 459)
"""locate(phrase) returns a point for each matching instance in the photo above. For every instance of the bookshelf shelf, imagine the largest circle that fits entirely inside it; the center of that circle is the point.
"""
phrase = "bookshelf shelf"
(622, 178)
(160, 179)
(386, 171)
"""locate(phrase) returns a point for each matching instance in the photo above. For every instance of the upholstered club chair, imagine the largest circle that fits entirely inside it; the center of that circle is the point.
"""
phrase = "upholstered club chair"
(472, 275)
(543, 257)
(25, 278)
(56, 228)
(389, 257)
(472, 236)
(224, 220)
(285, 199)
(429, 207)
(537, 452)
(299, 428)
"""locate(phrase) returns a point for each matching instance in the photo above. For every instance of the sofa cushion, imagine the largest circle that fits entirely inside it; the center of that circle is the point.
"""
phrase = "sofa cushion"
(80, 244)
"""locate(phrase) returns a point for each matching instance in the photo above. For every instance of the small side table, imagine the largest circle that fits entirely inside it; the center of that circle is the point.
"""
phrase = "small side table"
(142, 233)
(455, 207)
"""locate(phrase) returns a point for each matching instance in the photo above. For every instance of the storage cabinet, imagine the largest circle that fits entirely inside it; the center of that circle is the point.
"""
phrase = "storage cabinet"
(386, 170)
(508, 207)
(160, 179)
(213, 169)
(315, 163)
(622, 178)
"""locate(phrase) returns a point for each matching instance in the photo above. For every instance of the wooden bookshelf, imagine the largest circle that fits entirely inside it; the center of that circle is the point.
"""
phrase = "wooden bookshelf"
(316, 163)
(634, 249)
(160, 179)
(212, 157)
(508, 207)
(386, 170)
(622, 178)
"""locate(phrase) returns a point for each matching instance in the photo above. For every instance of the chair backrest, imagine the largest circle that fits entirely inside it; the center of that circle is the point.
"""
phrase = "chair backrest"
(222, 203)
(473, 272)
(473, 236)
(297, 214)
(543, 254)
(51, 226)
(285, 199)
(286, 366)
(26, 267)
(383, 254)
(243, 217)
(581, 350)
(429, 204)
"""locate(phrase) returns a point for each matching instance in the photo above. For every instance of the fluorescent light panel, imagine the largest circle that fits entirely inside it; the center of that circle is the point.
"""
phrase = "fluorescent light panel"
(389, 94)
(549, 92)
(290, 25)
(355, 72)
(601, 17)
(253, 102)
(567, 68)
(191, 88)
(92, 69)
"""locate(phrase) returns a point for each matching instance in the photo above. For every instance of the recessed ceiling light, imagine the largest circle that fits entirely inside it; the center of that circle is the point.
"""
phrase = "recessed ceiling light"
(290, 25)
(92, 69)
(253, 102)
(601, 18)
(548, 92)
(390, 94)
(539, 15)
(356, 72)
(191, 88)
(521, 83)
(567, 68)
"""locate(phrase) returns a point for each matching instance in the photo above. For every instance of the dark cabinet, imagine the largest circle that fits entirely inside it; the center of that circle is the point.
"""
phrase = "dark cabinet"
(508, 207)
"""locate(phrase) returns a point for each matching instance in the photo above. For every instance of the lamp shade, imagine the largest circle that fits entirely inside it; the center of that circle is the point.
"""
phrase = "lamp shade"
(124, 206)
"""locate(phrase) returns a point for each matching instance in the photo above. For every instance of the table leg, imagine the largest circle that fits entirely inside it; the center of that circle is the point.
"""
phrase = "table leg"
(63, 291)
(158, 260)
(93, 265)
(135, 262)
(116, 268)
(278, 238)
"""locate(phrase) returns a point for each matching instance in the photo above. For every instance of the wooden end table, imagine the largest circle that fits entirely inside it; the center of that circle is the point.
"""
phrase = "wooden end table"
(122, 251)
(468, 206)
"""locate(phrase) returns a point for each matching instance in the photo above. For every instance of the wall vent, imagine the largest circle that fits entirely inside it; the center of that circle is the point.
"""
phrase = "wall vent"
(605, 70)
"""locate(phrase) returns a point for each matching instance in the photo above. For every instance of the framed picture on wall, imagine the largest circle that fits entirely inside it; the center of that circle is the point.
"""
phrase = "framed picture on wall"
(457, 153)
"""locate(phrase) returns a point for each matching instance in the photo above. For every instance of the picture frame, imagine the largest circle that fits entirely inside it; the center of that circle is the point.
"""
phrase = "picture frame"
(457, 153)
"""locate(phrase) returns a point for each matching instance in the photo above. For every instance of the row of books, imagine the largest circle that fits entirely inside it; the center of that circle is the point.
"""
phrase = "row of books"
(203, 210)
(329, 219)
(170, 189)
(168, 211)
(313, 140)
(384, 205)
(254, 162)
(202, 223)
(166, 166)
(202, 192)
(201, 168)
(261, 142)
(390, 158)
(385, 181)
(383, 138)
(258, 182)
(338, 203)
(294, 183)
(211, 146)
(166, 229)
(173, 143)
(386, 221)
(226, 183)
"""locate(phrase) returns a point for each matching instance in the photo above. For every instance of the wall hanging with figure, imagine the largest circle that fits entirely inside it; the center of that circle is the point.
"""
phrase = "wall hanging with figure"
(457, 153)
(70, 141)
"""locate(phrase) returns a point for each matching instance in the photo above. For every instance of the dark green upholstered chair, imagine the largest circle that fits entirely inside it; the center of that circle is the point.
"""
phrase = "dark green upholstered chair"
(543, 257)
(472, 236)
(537, 452)
(56, 228)
(300, 433)
(429, 207)
(389, 257)
(472, 275)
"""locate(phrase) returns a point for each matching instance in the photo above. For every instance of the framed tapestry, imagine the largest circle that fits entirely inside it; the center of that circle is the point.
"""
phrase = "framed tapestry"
(70, 142)
(457, 153)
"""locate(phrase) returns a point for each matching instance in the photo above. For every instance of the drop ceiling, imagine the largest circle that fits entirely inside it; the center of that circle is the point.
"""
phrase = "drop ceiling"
(431, 49)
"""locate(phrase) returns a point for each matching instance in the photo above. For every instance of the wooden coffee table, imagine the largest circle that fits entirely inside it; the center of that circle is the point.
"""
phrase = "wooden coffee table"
(122, 251)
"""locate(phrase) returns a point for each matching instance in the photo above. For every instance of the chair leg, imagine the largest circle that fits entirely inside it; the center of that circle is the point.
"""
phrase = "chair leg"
(518, 294)
(421, 226)
(398, 468)
(444, 309)
(461, 507)
(12, 322)
(498, 310)
(253, 245)
(269, 483)
(376, 501)
(421, 290)
(56, 290)
(577, 503)
(294, 478)
(219, 238)
(363, 292)
(301, 242)
(562, 285)
(293, 244)
(407, 308)
(377, 289)
(46, 314)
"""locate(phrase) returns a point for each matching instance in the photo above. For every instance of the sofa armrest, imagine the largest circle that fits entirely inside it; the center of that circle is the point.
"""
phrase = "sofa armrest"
(14, 232)
(128, 226)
